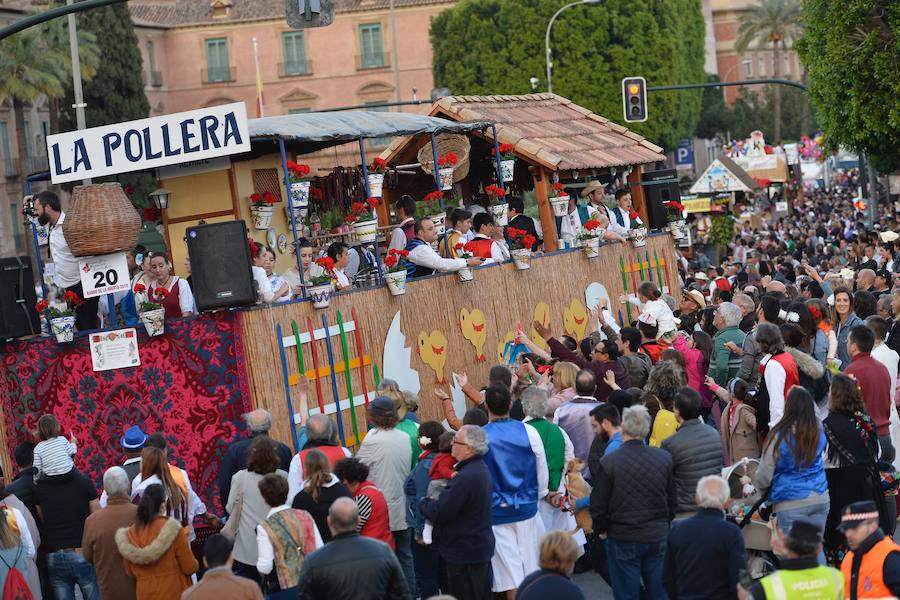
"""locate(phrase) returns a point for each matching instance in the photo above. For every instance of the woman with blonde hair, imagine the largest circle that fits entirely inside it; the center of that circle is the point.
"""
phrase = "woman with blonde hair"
(155, 470)
(559, 383)
(319, 490)
(406, 404)
(557, 559)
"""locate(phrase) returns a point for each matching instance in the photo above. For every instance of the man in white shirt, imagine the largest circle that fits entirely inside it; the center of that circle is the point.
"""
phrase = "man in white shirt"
(890, 359)
(619, 217)
(425, 260)
(403, 233)
(65, 265)
(485, 243)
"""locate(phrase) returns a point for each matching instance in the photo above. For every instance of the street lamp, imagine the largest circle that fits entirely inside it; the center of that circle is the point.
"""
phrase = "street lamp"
(547, 39)
(534, 83)
(160, 198)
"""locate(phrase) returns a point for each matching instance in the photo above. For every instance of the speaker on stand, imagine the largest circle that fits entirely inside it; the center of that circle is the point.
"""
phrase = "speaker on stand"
(220, 265)
(660, 187)
(18, 316)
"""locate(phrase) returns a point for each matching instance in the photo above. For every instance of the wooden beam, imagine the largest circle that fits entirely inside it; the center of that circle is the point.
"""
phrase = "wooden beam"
(638, 199)
(541, 178)
(208, 215)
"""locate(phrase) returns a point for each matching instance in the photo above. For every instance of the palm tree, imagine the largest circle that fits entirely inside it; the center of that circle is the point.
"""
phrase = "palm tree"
(776, 23)
(27, 71)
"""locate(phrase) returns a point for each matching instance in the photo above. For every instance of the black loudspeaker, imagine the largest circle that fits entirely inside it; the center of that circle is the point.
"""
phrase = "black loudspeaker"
(18, 317)
(660, 187)
(221, 275)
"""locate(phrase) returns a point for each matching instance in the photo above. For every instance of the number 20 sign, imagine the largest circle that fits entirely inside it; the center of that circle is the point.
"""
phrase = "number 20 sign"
(105, 274)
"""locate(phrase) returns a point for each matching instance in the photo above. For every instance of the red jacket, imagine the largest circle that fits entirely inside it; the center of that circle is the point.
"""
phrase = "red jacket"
(378, 522)
(442, 466)
(482, 247)
(332, 453)
(875, 384)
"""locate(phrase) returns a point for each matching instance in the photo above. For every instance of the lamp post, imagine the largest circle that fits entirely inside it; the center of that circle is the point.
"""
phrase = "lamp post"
(547, 39)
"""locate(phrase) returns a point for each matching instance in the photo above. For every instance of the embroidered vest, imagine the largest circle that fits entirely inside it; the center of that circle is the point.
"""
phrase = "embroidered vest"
(172, 303)
(869, 581)
(513, 469)
(378, 525)
(291, 534)
(482, 247)
(412, 269)
(332, 453)
(554, 449)
(409, 230)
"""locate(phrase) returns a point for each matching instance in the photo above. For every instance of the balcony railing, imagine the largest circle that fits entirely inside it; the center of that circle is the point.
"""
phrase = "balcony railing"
(156, 78)
(39, 164)
(378, 60)
(295, 68)
(217, 75)
(11, 167)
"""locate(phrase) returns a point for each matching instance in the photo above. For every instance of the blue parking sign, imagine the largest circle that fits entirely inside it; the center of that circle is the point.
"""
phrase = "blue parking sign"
(684, 154)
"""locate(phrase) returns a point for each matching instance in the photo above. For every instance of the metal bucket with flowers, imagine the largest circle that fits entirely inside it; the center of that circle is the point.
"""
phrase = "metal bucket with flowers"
(589, 238)
(298, 175)
(466, 251)
(559, 200)
(362, 220)
(150, 309)
(396, 271)
(638, 233)
(62, 320)
(375, 177)
(322, 285)
(520, 243)
(261, 207)
(507, 161)
(499, 208)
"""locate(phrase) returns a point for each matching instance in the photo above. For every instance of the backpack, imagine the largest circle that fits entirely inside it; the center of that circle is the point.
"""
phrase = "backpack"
(664, 425)
(15, 587)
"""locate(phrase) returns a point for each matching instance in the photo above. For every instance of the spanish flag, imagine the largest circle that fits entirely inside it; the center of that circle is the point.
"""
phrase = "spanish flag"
(260, 104)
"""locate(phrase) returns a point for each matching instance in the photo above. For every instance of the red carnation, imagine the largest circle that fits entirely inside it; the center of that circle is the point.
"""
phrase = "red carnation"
(160, 293)
(72, 298)
(390, 261)
(372, 202)
(528, 241)
(592, 224)
(269, 198)
(633, 215)
(41, 306)
(404, 253)
(326, 262)
(139, 288)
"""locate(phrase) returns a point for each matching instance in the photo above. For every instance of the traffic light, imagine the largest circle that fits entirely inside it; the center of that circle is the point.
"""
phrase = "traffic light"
(634, 99)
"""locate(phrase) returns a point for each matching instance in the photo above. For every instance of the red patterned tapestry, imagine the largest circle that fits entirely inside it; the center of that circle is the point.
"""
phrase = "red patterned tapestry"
(191, 386)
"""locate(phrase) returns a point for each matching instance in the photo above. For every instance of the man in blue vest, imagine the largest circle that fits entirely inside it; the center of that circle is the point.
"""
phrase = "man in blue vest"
(423, 260)
(518, 469)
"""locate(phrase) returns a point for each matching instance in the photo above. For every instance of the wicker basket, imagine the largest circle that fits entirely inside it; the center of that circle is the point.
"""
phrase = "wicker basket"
(101, 220)
(447, 142)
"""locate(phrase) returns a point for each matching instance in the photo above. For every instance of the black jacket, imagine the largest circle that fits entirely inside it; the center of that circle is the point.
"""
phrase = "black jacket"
(633, 499)
(462, 515)
(703, 557)
(22, 487)
(696, 450)
(350, 567)
(235, 459)
(526, 223)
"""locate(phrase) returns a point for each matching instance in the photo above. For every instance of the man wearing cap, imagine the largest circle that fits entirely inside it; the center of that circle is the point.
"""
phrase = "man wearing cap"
(133, 444)
(692, 303)
(872, 567)
(884, 280)
(800, 575)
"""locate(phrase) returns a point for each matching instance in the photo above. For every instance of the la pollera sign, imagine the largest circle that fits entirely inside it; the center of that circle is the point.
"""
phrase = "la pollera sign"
(148, 143)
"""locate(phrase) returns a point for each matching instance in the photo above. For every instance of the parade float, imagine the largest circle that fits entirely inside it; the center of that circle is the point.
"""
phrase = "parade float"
(194, 379)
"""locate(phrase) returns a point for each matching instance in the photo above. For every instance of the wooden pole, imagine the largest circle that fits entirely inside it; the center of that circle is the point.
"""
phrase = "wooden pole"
(542, 194)
(638, 199)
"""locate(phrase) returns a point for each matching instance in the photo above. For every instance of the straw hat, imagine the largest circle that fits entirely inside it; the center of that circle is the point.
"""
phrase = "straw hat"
(701, 276)
(889, 236)
(592, 186)
(695, 297)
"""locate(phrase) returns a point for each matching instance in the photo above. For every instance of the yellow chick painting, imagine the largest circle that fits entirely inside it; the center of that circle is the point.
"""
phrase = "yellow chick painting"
(575, 319)
(541, 315)
(474, 328)
(433, 350)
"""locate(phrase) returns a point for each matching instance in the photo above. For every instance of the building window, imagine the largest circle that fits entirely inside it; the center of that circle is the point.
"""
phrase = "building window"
(8, 166)
(377, 142)
(294, 53)
(151, 60)
(762, 66)
(370, 48)
(217, 63)
(748, 67)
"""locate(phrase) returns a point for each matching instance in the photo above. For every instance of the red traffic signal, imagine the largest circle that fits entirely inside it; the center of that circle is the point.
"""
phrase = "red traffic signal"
(634, 99)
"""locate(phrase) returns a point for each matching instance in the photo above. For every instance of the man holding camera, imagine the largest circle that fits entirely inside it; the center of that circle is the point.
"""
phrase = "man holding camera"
(47, 209)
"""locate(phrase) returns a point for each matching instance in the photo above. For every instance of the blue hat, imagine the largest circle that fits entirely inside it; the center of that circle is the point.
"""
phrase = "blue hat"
(857, 513)
(133, 439)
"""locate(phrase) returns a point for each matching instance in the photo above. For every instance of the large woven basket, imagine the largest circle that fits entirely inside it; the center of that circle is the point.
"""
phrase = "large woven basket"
(101, 220)
(447, 142)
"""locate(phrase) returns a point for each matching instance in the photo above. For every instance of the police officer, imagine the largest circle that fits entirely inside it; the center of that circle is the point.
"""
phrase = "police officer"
(801, 576)
(872, 567)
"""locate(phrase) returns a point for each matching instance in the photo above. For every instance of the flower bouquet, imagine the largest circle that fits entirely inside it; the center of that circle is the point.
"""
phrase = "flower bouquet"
(445, 170)
(430, 207)
(299, 177)
(322, 286)
(150, 310)
(465, 250)
(363, 221)
(62, 320)
(520, 244)
(261, 207)
(675, 217)
(376, 177)
(589, 238)
(396, 271)
(638, 230)
(507, 161)
(499, 208)
(559, 200)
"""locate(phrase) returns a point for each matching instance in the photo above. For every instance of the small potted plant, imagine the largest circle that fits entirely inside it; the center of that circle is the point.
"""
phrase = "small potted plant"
(445, 170)
(589, 238)
(362, 220)
(520, 244)
(465, 250)
(499, 209)
(150, 310)
(430, 207)
(299, 177)
(396, 271)
(507, 161)
(322, 286)
(559, 200)
(638, 230)
(62, 321)
(675, 217)
(261, 207)
(376, 177)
